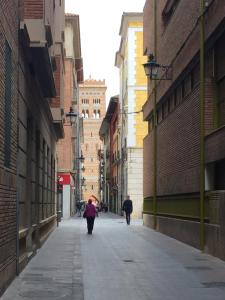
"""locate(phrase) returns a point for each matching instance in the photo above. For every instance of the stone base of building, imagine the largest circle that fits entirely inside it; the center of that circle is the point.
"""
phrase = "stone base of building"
(31, 240)
(6, 276)
(187, 232)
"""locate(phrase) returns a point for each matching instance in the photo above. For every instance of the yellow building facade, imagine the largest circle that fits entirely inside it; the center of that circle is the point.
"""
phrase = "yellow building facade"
(133, 94)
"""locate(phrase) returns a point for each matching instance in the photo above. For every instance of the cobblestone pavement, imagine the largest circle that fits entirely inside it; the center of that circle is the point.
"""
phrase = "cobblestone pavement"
(117, 262)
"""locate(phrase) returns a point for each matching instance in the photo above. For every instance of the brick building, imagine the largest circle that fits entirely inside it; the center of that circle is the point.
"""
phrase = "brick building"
(8, 138)
(110, 158)
(31, 60)
(172, 147)
(92, 109)
(68, 148)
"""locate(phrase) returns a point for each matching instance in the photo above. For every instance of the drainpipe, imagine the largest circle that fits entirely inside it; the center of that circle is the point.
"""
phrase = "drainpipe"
(17, 219)
(155, 126)
(17, 171)
(202, 124)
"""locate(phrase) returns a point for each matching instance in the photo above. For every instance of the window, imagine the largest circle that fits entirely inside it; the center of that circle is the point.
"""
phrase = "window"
(85, 101)
(96, 101)
(150, 125)
(175, 98)
(159, 115)
(164, 110)
(83, 114)
(8, 104)
(98, 114)
(169, 104)
(169, 10)
(220, 81)
(186, 86)
(195, 77)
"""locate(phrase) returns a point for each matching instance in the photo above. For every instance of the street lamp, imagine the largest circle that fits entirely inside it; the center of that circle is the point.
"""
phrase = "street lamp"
(81, 158)
(83, 181)
(151, 68)
(74, 121)
(72, 116)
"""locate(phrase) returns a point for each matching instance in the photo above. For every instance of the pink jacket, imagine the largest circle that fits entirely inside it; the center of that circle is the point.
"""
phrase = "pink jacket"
(90, 210)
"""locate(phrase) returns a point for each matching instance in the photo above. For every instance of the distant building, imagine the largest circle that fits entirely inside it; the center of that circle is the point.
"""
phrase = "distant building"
(131, 128)
(68, 148)
(172, 173)
(110, 162)
(92, 109)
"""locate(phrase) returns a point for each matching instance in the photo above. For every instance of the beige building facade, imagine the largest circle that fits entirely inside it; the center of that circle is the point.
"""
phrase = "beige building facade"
(92, 109)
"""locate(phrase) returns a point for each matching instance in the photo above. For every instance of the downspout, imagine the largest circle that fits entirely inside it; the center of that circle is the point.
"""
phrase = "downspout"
(17, 216)
(155, 126)
(17, 168)
(202, 125)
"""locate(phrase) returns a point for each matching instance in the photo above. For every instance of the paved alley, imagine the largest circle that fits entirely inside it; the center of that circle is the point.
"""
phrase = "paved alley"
(117, 262)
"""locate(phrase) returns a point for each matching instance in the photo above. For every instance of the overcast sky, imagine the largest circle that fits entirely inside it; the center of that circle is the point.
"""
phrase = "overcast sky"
(99, 24)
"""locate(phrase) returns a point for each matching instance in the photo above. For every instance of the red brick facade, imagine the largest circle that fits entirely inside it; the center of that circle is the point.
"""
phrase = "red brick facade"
(92, 108)
(178, 120)
(8, 139)
(34, 9)
(65, 148)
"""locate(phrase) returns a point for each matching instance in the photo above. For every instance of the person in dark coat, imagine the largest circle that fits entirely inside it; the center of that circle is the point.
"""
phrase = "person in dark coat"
(128, 208)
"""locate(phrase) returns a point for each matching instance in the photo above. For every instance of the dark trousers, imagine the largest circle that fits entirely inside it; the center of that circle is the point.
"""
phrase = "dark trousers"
(127, 217)
(90, 224)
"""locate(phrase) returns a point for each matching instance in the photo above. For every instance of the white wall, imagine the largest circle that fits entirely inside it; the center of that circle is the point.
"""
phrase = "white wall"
(135, 180)
(66, 201)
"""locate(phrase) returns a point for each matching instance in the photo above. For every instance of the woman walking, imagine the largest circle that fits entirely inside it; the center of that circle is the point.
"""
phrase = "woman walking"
(90, 213)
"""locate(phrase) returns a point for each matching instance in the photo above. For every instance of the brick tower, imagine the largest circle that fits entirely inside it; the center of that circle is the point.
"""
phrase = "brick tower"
(92, 109)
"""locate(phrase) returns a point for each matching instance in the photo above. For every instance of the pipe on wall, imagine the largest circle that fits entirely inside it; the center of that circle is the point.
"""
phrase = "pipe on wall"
(202, 124)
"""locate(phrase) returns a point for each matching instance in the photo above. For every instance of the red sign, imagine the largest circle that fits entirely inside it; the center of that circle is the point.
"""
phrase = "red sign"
(63, 179)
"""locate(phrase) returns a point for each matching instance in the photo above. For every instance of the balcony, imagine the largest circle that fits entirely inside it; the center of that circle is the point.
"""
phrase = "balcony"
(37, 38)
(57, 122)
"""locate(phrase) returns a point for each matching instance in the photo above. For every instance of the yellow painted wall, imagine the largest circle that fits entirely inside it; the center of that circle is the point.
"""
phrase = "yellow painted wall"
(135, 24)
(141, 127)
(141, 78)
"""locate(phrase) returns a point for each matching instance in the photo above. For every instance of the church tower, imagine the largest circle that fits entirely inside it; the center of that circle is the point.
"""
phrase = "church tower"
(92, 109)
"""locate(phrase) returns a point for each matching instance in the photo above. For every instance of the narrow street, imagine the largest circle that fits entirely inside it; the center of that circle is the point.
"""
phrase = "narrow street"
(117, 262)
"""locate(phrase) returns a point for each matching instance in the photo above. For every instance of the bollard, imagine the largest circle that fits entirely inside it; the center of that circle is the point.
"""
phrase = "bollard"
(59, 216)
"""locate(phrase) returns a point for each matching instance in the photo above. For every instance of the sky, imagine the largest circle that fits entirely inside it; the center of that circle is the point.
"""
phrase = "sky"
(99, 25)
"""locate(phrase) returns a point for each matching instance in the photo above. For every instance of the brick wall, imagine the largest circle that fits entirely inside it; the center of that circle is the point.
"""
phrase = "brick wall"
(178, 149)
(8, 34)
(178, 114)
(33, 9)
(64, 146)
(175, 45)
(91, 90)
